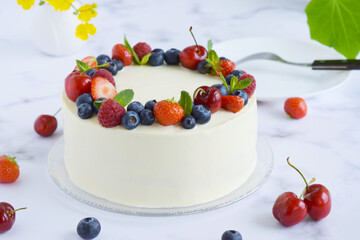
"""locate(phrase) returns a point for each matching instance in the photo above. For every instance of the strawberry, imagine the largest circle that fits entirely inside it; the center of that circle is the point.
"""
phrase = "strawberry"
(226, 67)
(102, 88)
(121, 53)
(9, 170)
(232, 103)
(250, 89)
(141, 49)
(295, 107)
(168, 112)
(91, 61)
(104, 74)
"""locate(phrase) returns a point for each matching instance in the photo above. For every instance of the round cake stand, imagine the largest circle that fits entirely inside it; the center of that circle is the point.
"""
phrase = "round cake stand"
(261, 173)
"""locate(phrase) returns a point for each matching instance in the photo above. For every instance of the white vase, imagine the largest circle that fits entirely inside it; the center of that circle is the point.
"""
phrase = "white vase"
(53, 32)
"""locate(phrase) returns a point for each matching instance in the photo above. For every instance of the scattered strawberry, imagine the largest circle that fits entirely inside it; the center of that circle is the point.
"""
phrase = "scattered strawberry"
(9, 170)
(102, 88)
(232, 103)
(91, 61)
(295, 107)
(226, 67)
(250, 89)
(110, 113)
(120, 52)
(141, 49)
(104, 74)
(168, 112)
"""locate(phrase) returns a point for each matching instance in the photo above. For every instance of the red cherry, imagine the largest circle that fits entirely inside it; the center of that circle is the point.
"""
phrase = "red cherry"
(208, 96)
(318, 200)
(289, 210)
(191, 56)
(77, 84)
(7, 216)
(45, 125)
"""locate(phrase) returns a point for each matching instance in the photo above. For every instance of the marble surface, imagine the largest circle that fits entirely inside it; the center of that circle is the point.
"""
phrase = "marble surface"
(325, 144)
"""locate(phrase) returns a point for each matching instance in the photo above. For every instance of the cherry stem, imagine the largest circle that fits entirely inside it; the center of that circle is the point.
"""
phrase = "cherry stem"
(57, 112)
(311, 181)
(197, 92)
(11, 212)
(307, 185)
(198, 49)
(98, 66)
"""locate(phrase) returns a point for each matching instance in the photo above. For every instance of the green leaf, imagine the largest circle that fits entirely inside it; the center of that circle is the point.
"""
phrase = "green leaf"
(213, 56)
(145, 59)
(83, 67)
(336, 23)
(97, 104)
(233, 82)
(186, 102)
(131, 50)
(124, 97)
(224, 82)
(242, 84)
(209, 45)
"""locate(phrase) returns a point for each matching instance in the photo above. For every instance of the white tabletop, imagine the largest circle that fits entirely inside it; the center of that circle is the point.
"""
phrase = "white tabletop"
(325, 144)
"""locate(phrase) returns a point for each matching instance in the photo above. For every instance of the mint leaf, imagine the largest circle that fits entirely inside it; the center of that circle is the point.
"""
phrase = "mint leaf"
(233, 82)
(83, 67)
(124, 97)
(186, 102)
(145, 59)
(209, 45)
(97, 104)
(336, 23)
(242, 84)
(212, 55)
(224, 82)
(131, 50)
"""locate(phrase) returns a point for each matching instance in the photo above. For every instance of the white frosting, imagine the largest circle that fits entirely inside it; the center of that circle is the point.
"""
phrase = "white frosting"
(157, 166)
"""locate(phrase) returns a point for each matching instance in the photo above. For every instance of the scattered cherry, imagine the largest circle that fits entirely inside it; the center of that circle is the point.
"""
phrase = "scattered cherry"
(7, 216)
(318, 200)
(208, 96)
(45, 125)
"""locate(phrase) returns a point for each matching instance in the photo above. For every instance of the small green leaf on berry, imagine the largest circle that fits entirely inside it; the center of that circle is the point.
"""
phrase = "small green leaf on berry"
(145, 59)
(124, 97)
(131, 50)
(209, 45)
(83, 67)
(186, 102)
(98, 103)
(241, 84)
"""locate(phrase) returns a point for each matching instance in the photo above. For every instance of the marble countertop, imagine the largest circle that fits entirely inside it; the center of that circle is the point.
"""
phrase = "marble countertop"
(325, 144)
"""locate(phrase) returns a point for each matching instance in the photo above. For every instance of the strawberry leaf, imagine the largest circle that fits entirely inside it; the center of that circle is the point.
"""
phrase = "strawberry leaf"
(97, 103)
(209, 45)
(186, 102)
(124, 97)
(224, 82)
(83, 67)
(131, 50)
(145, 59)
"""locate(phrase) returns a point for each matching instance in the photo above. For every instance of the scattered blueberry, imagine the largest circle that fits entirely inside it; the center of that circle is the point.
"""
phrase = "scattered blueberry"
(90, 72)
(88, 228)
(102, 59)
(228, 78)
(201, 114)
(237, 73)
(223, 58)
(223, 90)
(136, 107)
(150, 104)
(147, 117)
(203, 68)
(119, 64)
(113, 68)
(85, 110)
(156, 58)
(188, 122)
(96, 110)
(172, 56)
(231, 235)
(157, 50)
(130, 120)
(241, 93)
(84, 98)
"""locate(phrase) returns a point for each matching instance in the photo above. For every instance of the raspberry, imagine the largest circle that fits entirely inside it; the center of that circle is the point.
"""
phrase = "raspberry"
(110, 113)
(141, 49)
(104, 74)
(250, 89)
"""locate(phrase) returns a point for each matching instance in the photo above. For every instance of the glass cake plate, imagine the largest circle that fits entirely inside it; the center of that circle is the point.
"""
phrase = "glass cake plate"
(261, 173)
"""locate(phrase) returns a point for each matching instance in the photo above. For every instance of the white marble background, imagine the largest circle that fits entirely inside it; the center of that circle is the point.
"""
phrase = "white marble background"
(325, 144)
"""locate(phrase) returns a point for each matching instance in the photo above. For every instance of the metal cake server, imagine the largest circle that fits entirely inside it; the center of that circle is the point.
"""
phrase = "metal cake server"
(316, 65)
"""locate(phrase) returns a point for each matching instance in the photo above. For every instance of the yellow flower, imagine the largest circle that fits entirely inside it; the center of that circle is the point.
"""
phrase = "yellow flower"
(60, 5)
(26, 4)
(83, 30)
(87, 12)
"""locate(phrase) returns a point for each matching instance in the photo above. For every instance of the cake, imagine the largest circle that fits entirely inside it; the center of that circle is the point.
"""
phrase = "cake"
(160, 166)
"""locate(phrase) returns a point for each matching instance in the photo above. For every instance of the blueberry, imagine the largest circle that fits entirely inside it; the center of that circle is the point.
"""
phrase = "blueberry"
(201, 114)
(147, 117)
(150, 104)
(113, 68)
(228, 78)
(172, 56)
(96, 110)
(203, 68)
(241, 93)
(136, 107)
(103, 58)
(84, 98)
(130, 120)
(88, 228)
(156, 58)
(85, 110)
(237, 73)
(157, 50)
(223, 90)
(188, 122)
(223, 58)
(90, 72)
(119, 64)
(231, 235)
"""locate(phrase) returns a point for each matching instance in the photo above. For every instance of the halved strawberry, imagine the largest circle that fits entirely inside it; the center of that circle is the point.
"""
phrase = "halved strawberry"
(232, 103)
(90, 60)
(102, 88)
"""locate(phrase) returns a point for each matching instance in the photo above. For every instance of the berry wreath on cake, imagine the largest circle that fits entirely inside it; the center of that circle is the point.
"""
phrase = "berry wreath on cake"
(135, 135)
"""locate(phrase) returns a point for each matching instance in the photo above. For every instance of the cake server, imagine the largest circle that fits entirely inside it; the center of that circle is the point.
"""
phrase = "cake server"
(316, 65)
